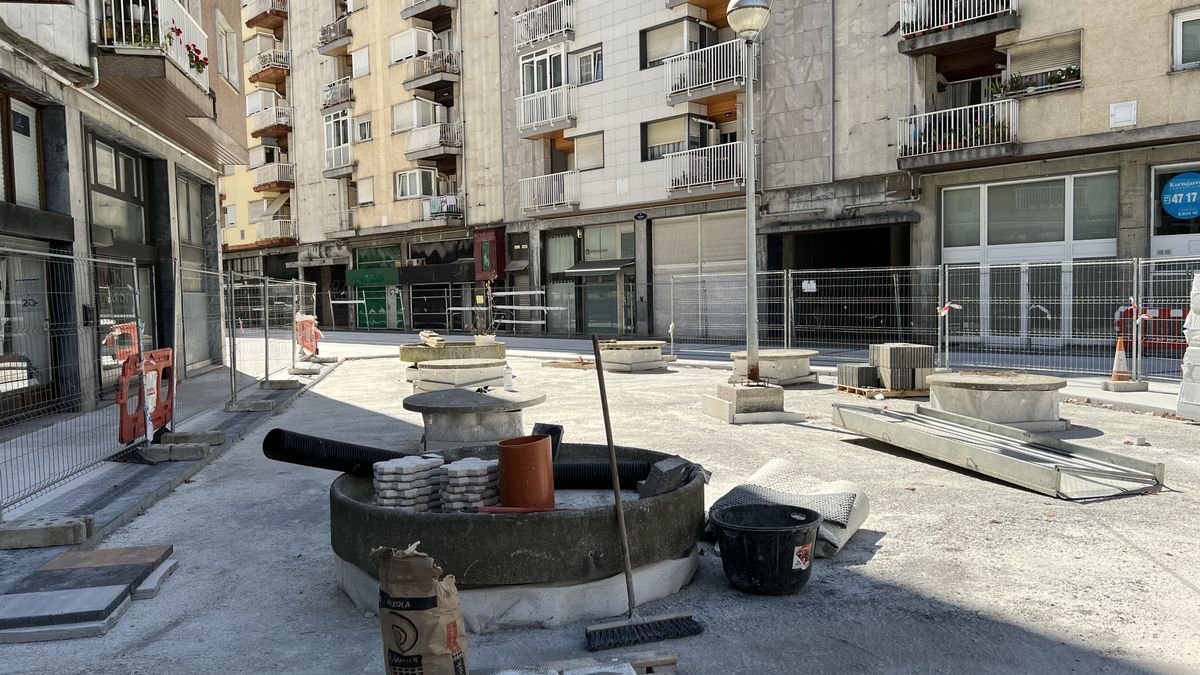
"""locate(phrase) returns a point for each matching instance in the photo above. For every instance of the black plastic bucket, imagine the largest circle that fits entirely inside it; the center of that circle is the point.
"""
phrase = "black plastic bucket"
(767, 549)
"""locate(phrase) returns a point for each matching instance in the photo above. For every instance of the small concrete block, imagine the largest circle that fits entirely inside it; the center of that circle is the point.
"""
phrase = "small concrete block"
(150, 585)
(409, 493)
(1136, 440)
(129, 555)
(1109, 385)
(415, 501)
(279, 385)
(65, 631)
(412, 374)
(751, 399)
(640, 367)
(472, 466)
(308, 372)
(773, 417)
(920, 375)
(451, 489)
(718, 408)
(250, 405)
(41, 532)
(184, 452)
(206, 437)
(460, 505)
(321, 359)
(410, 466)
(155, 452)
(897, 379)
(462, 481)
(665, 475)
(48, 608)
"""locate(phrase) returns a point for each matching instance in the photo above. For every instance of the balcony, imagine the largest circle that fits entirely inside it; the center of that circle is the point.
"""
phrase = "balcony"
(269, 14)
(434, 141)
(275, 177)
(949, 26)
(338, 224)
(540, 27)
(277, 231)
(270, 67)
(705, 74)
(274, 122)
(959, 137)
(335, 38)
(336, 95)
(434, 71)
(552, 193)
(339, 161)
(411, 214)
(427, 10)
(717, 169)
(547, 111)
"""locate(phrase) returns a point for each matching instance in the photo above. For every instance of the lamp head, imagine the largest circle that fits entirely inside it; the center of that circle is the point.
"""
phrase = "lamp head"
(748, 18)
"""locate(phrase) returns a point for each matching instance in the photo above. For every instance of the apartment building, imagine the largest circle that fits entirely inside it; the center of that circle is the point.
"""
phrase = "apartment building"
(117, 118)
(259, 235)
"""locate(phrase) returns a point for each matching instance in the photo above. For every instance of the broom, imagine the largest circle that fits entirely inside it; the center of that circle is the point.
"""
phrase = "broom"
(633, 629)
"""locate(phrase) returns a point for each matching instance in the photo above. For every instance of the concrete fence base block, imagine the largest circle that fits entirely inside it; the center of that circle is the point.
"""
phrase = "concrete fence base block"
(1040, 426)
(182, 452)
(205, 437)
(321, 359)
(46, 531)
(1109, 385)
(276, 385)
(304, 371)
(250, 405)
(156, 452)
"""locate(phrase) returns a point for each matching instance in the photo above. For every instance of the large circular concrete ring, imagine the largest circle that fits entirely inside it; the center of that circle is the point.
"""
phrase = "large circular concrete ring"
(574, 545)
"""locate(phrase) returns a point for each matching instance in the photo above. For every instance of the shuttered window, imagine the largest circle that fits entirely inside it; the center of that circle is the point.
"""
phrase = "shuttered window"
(664, 137)
(360, 62)
(1041, 56)
(411, 43)
(662, 42)
(411, 114)
(589, 151)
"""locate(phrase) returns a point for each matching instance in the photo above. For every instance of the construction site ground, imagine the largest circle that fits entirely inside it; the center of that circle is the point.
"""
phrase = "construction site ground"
(952, 572)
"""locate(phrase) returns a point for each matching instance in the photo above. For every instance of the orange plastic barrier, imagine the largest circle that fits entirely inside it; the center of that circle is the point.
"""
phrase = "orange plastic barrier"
(307, 334)
(156, 366)
(123, 341)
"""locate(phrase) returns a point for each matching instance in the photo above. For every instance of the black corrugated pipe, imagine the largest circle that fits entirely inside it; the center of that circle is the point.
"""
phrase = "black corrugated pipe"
(597, 475)
(322, 453)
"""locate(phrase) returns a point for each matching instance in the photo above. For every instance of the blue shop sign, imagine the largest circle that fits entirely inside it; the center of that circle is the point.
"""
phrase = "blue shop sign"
(1181, 196)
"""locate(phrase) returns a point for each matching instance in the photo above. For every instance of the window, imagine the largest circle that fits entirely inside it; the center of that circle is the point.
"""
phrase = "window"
(360, 62)
(411, 43)
(188, 201)
(686, 35)
(541, 71)
(260, 99)
(1176, 193)
(589, 65)
(227, 51)
(411, 114)
(106, 165)
(415, 183)
(366, 190)
(230, 219)
(1187, 39)
(960, 217)
(1097, 209)
(589, 151)
(265, 154)
(1046, 62)
(664, 137)
(362, 128)
(116, 193)
(337, 139)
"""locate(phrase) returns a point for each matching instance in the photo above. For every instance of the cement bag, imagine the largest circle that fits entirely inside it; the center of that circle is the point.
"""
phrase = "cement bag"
(419, 613)
(1189, 400)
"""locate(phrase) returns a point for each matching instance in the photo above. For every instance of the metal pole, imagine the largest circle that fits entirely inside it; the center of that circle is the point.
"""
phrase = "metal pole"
(1137, 319)
(231, 308)
(295, 296)
(789, 321)
(266, 295)
(751, 228)
(137, 323)
(942, 321)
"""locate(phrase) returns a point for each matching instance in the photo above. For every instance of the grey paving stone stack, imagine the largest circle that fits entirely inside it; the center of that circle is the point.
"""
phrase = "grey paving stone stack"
(858, 375)
(411, 483)
(898, 366)
(471, 483)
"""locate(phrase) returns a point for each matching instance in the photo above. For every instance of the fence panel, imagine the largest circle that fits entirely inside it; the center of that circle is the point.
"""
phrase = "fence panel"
(68, 325)
(204, 349)
(1164, 294)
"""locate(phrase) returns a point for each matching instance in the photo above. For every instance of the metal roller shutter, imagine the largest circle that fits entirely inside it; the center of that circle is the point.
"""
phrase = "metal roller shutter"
(1040, 56)
(589, 151)
(665, 41)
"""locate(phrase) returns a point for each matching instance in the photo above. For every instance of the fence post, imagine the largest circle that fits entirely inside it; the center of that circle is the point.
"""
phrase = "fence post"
(788, 319)
(1137, 319)
(231, 308)
(943, 322)
(137, 323)
(266, 307)
(295, 296)
(671, 327)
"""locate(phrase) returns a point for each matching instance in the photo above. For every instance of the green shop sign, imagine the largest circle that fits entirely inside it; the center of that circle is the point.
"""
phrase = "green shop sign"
(373, 276)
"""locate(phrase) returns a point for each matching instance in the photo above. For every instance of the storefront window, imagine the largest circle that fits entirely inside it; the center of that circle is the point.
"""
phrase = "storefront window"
(23, 314)
(600, 243)
(960, 217)
(117, 194)
(378, 256)
(1177, 201)
(1096, 207)
(1026, 213)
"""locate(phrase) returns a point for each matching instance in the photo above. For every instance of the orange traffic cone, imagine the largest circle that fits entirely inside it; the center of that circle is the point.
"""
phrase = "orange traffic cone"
(1120, 370)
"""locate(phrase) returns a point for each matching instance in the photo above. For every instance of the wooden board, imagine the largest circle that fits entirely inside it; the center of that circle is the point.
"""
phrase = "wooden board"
(663, 661)
(872, 392)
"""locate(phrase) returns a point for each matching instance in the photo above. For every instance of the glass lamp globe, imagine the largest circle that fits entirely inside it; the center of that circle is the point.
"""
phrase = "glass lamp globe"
(748, 18)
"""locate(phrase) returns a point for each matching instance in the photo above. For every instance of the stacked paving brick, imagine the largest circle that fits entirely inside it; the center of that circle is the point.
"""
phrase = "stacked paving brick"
(411, 483)
(896, 366)
(1189, 389)
(471, 483)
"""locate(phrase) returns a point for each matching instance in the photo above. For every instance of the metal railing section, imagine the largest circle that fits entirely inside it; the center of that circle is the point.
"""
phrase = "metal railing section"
(920, 16)
(544, 22)
(275, 172)
(550, 191)
(158, 25)
(337, 92)
(973, 126)
(332, 32)
(443, 134)
(547, 107)
(276, 116)
(709, 166)
(708, 67)
(272, 58)
(440, 61)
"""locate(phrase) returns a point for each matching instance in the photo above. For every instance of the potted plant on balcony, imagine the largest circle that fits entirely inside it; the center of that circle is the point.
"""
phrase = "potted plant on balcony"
(197, 61)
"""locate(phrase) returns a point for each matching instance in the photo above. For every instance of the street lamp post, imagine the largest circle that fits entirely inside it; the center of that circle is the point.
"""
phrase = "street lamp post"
(748, 18)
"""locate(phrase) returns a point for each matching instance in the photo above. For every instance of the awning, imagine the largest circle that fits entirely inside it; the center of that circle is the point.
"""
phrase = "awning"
(517, 266)
(599, 267)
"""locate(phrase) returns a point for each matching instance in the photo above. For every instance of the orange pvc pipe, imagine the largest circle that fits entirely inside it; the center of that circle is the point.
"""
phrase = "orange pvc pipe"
(527, 472)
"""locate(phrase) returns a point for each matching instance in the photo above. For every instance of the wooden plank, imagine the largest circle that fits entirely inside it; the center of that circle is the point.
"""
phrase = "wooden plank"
(872, 392)
(641, 661)
(432, 339)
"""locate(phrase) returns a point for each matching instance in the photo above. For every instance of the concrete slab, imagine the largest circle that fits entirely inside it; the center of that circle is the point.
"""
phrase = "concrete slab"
(752, 399)
(250, 405)
(47, 608)
(205, 437)
(308, 372)
(41, 532)
(639, 367)
(181, 452)
(65, 631)
(276, 385)
(320, 359)
(84, 577)
(152, 583)
(1123, 387)
(129, 555)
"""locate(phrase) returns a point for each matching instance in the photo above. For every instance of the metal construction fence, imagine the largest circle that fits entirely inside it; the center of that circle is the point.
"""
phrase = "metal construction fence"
(70, 326)
(1062, 317)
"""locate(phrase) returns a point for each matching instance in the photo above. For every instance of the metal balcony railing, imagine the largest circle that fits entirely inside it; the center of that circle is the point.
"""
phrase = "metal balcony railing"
(272, 58)
(920, 16)
(709, 166)
(278, 228)
(338, 156)
(339, 221)
(544, 22)
(276, 116)
(550, 191)
(440, 61)
(441, 135)
(259, 7)
(275, 172)
(708, 67)
(336, 93)
(163, 26)
(547, 107)
(973, 126)
(332, 32)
